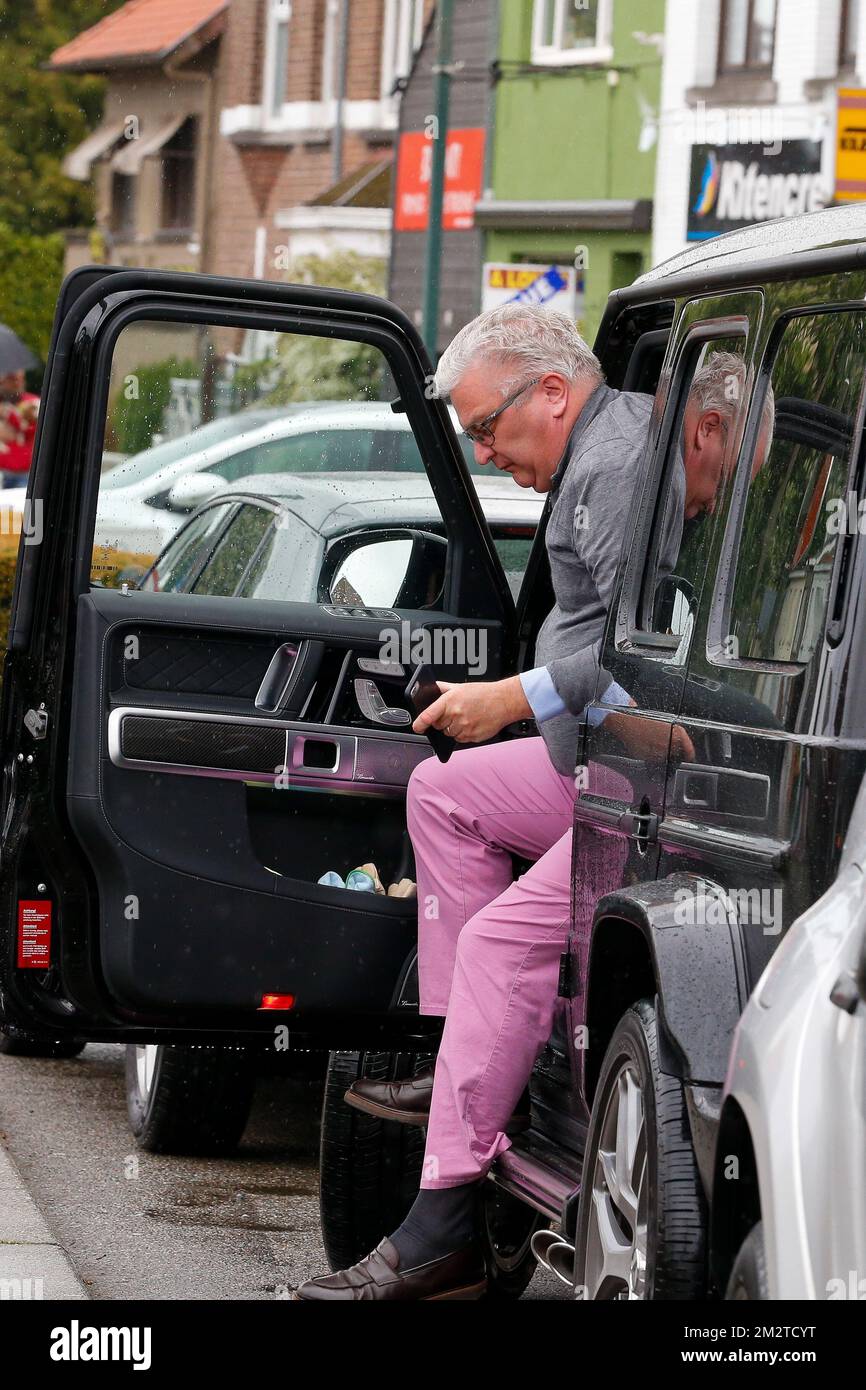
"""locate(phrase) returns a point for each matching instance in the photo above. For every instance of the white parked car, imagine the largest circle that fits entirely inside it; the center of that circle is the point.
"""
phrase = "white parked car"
(144, 500)
(789, 1199)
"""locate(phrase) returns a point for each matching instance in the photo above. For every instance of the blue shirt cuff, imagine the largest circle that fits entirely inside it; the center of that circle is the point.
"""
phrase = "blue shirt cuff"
(614, 695)
(543, 696)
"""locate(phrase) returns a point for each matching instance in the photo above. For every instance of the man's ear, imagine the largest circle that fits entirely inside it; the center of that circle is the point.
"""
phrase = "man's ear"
(555, 388)
(710, 423)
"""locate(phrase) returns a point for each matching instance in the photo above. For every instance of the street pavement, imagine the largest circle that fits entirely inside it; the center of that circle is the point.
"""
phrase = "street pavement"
(137, 1225)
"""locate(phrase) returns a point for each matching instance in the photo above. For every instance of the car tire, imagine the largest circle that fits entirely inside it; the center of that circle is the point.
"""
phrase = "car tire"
(188, 1100)
(369, 1169)
(23, 1045)
(506, 1226)
(656, 1230)
(748, 1279)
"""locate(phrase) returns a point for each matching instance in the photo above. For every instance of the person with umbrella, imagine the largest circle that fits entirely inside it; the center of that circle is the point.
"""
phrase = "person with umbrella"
(18, 409)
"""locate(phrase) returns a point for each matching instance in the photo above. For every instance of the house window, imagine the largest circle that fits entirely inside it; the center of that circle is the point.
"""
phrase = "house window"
(402, 31)
(572, 31)
(276, 56)
(178, 179)
(849, 22)
(747, 35)
(123, 206)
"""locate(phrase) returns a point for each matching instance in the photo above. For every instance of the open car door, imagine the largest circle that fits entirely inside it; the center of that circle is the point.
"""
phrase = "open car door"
(203, 714)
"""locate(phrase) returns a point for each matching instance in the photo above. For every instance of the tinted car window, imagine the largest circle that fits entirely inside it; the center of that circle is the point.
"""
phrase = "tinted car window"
(237, 547)
(786, 547)
(181, 560)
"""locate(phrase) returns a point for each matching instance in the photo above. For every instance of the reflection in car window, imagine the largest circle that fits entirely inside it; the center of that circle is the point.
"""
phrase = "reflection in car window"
(786, 547)
(181, 560)
(698, 471)
(227, 566)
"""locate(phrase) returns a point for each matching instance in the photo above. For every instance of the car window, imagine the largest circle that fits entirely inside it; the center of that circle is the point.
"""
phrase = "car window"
(697, 471)
(147, 462)
(409, 459)
(313, 417)
(182, 559)
(766, 611)
(513, 545)
(787, 541)
(226, 568)
(314, 451)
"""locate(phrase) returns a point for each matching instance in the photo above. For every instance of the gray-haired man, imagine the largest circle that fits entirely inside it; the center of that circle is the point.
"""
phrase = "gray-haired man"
(530, 394)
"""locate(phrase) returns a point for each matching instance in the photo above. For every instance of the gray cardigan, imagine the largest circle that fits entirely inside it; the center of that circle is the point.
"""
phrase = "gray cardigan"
(592, 490)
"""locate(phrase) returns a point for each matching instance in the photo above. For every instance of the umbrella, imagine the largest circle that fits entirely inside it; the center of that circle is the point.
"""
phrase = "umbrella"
(14, 355)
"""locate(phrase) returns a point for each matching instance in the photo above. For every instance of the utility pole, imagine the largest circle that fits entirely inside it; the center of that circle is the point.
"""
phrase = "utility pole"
(433, 259)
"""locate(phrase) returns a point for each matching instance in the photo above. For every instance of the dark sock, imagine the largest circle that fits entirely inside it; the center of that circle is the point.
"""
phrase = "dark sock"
(440, 1221)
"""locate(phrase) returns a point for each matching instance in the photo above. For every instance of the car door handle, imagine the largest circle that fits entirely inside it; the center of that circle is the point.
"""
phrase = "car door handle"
(289, 676)
(642, 826)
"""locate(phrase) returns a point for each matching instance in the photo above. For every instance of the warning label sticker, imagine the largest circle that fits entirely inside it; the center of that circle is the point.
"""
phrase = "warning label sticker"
(34, 934)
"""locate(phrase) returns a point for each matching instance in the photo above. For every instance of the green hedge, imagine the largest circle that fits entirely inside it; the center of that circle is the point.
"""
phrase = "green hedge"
(31, 269)
(133, 423)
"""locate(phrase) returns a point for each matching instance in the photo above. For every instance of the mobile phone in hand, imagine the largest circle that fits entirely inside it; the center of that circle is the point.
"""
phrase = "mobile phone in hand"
(421, 692)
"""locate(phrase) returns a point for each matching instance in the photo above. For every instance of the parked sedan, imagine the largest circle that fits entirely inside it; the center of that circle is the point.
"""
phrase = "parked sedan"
(269, 536)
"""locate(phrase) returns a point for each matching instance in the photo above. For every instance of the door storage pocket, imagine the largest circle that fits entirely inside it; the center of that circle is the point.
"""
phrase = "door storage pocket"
(302, 834)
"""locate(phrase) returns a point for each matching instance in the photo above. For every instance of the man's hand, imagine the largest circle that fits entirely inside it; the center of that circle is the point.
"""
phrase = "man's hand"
(648, 738)
(476, 710)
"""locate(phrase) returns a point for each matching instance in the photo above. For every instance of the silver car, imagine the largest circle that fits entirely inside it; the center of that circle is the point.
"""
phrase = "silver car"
(789, 1200)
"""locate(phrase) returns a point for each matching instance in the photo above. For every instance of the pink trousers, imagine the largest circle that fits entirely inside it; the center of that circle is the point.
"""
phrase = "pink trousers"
(489, 945)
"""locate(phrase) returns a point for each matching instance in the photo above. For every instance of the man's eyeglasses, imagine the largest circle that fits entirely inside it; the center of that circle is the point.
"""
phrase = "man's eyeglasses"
(482, 433)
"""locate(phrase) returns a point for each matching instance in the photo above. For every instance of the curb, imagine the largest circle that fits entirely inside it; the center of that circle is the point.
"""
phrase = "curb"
(32, 1265)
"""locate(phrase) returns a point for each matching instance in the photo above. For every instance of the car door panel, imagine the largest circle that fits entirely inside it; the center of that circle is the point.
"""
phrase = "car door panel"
(205, 759)
(188, 797)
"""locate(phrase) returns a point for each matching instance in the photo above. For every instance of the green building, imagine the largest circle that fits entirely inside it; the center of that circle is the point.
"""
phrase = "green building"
(571, 149)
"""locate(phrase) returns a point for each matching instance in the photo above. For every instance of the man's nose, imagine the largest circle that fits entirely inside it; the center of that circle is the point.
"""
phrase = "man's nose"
(483, 453)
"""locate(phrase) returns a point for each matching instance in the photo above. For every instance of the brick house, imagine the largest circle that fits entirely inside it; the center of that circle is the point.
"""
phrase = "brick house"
(238, 134)
(152, 157)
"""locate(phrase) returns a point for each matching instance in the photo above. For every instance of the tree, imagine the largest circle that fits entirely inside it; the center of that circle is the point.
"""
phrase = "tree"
(336, 369)
(43, 114)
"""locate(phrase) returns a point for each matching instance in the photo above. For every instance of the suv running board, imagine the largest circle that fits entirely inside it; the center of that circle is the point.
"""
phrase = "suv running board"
(535, 1182)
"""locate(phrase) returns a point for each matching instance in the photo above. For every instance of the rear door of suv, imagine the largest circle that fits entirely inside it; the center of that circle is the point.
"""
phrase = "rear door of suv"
(180, 769)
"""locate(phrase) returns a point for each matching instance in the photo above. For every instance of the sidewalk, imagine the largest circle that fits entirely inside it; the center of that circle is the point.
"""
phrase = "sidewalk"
(32, 1264)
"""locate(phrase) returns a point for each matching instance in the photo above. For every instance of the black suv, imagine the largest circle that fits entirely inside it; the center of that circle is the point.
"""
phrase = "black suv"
(179, 770)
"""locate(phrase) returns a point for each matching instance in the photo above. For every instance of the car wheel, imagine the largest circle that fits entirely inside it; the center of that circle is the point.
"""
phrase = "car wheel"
(748, 1279)
(188, 1100)
(369, 1169)
(642, 1223)
(506, 1227)
(23, 1045)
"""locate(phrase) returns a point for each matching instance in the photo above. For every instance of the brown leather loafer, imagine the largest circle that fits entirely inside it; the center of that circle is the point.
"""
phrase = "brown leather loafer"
(408, 1102)
(378, 1276)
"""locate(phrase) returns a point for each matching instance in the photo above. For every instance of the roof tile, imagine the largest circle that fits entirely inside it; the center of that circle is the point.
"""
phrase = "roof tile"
(139, 29)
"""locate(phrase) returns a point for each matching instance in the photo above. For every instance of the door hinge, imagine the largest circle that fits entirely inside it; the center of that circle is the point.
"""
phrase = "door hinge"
(36, 722)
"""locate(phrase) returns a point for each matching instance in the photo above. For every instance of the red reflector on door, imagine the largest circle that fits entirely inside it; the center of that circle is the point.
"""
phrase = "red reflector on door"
(277, 1001)
(34, 933)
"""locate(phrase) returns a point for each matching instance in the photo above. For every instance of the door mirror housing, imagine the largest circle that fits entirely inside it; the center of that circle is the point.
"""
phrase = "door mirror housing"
(193, 490)
(401, 568)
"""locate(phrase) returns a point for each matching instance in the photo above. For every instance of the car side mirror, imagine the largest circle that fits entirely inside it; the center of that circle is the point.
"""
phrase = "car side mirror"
(193, 490)
(403, 568)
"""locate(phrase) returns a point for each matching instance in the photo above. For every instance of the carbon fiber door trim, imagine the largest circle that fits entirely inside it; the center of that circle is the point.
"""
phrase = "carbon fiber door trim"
(360, 763)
